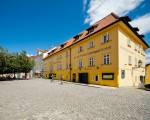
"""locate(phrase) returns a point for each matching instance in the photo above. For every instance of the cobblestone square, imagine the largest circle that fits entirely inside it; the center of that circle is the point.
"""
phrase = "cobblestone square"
(41, 99)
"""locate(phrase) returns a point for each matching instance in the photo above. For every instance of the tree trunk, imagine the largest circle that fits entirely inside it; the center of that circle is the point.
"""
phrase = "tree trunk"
(14, 75)
(25, 75)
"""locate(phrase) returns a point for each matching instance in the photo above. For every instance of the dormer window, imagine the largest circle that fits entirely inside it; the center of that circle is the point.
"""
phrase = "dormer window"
(90, 30)
(76, 37)
(62, 45)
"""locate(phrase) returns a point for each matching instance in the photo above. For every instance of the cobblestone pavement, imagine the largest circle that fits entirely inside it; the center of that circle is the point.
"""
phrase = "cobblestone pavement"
(41, 99)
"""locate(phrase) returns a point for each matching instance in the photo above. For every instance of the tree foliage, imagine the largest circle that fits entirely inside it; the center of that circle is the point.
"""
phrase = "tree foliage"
(15, 62)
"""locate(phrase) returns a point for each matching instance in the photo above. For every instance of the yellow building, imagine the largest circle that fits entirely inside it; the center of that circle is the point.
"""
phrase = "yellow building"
(110, 52)
(147, 78)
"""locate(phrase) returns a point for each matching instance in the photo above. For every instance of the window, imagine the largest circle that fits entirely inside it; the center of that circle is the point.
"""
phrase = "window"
(90, 30)
(91, 61)
(95, 77)
(90, 44)
(76, 37)
(80, 64)
(105, 38)
(122, 74)
(80, 49)
(129, 43)
(67, 66)
(140, 63)
(106, 59)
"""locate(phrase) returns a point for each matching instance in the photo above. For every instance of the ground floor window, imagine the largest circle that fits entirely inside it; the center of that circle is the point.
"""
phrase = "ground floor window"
(142, 79)
(122, 74)
(95, 77)
(108, 76)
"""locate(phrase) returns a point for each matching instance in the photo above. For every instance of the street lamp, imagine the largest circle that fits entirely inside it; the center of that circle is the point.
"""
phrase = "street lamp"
(140, 63)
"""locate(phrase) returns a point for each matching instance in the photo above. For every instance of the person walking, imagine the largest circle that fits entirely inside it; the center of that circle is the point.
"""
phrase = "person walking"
(52, 78)
(61, 80)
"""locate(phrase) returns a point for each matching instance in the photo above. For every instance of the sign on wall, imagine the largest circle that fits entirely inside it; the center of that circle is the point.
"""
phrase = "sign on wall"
(108, 76)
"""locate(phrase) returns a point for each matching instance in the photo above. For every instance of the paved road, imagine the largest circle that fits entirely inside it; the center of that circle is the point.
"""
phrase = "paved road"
(42, 100)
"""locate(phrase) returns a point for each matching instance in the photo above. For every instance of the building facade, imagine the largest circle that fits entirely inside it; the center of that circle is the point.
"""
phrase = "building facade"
(38, 63)
(110, 52)
(147, 78)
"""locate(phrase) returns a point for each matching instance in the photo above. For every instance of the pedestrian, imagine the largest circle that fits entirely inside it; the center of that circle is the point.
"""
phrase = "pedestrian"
(61, 80)
(52, 78)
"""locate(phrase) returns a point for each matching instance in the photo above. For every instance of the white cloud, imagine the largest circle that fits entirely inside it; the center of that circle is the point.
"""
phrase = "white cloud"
(147, 56)
(97, 9)
(143, 23)
(84, 4)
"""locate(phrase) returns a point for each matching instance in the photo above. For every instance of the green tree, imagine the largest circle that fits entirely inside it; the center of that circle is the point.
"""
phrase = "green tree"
(15, 62)
(26, 63)
(3, 60)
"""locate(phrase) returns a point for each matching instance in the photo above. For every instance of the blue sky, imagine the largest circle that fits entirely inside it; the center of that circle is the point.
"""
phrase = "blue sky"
(32, 24)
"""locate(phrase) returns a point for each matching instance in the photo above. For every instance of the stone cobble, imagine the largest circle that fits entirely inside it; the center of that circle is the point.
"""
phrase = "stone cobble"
(40, 99)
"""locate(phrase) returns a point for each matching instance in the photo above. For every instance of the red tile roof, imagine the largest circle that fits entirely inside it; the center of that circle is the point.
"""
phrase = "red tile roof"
(101, 24)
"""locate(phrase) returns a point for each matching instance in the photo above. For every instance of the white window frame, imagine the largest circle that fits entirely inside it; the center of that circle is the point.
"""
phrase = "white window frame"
(80, 63)
(105, 38)
(91, 44)
(80, 49)
(67, 66)
(106, 59)
(91, 61)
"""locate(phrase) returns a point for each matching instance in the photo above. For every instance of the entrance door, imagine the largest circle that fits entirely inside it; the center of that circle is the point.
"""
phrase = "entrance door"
(83, 78)
(50, 76)
(74, 77)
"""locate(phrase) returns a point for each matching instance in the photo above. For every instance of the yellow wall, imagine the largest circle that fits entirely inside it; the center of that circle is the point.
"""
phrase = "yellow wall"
(53, 61)
(116, 47)
(97, 52)
(147, 78)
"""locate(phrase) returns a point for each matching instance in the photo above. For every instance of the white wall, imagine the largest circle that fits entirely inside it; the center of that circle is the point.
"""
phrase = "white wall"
(132, 73)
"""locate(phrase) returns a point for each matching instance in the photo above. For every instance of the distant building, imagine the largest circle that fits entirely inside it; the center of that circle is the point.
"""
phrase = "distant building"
(110, 52)
(38, 63)
(147, 78)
